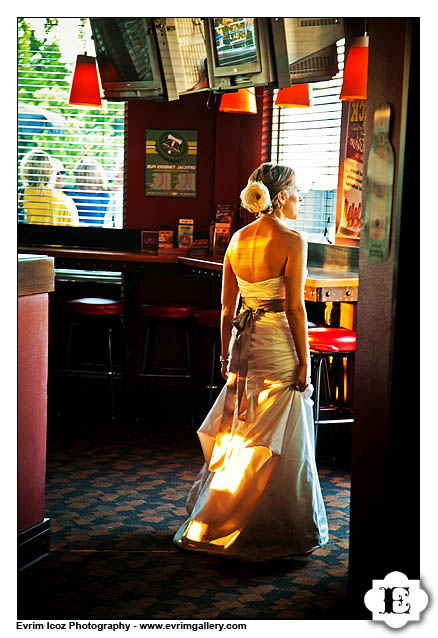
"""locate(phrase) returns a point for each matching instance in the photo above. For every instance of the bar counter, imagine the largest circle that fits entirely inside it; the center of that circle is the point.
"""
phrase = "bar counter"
(322, 284)
(166, 256)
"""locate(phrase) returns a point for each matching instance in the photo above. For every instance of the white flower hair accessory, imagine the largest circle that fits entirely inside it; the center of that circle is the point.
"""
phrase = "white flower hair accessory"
(255, 197)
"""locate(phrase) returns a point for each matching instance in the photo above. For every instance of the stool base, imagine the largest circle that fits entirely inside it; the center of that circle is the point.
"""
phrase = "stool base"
(97, 369)
(148, 372)
(329, 410)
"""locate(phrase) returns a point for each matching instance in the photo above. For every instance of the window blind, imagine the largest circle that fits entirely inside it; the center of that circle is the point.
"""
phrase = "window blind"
(70, 158)
(308, 140)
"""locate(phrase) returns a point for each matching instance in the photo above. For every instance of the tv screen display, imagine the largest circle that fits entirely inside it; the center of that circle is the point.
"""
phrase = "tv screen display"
(235, 41)
(122, 50)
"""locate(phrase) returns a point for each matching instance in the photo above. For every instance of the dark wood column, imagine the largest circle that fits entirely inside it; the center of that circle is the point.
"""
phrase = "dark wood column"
(384, 533)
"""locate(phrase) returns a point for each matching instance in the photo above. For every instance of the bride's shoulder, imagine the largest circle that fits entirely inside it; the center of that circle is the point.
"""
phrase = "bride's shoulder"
(295, 243)
(294, 236)
(244, 231)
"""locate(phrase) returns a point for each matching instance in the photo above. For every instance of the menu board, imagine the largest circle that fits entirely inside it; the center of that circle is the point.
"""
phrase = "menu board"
(171, 163)
(351, 211)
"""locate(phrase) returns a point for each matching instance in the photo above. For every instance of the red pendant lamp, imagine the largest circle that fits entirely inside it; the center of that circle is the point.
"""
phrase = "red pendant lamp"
(295, 95)
(244, 101)
(85, 88)
(354, 86)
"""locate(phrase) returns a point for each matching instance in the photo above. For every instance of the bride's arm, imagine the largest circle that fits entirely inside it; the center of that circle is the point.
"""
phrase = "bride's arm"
(295, 278)
(230, 291)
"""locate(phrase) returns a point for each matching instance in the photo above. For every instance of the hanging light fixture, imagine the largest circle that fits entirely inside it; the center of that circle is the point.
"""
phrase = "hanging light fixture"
(244, 101)
(295, 95)
(354, 86)
(85, 88)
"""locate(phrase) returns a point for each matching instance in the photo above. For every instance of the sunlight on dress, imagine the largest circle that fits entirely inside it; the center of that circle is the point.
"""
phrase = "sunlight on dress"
(258, 495)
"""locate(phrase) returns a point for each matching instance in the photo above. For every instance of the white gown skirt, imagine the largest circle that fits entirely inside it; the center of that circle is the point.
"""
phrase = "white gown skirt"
(258, 495)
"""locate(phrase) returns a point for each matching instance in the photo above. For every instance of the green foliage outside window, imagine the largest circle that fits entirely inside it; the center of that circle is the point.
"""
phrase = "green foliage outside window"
(44, 80)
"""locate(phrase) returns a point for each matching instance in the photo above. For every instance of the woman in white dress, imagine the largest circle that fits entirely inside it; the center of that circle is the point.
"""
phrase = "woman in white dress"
(258, 495)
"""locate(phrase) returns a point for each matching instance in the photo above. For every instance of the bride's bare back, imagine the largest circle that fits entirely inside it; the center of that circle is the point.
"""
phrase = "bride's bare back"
(260, 250)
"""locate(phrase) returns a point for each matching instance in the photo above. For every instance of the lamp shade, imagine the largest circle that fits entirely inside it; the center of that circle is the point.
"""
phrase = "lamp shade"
(85, 89)
(354, 86)
(244, 101)
(295, 95)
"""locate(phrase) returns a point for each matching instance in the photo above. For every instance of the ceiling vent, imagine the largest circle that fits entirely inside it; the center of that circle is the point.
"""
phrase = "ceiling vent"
(317, 22)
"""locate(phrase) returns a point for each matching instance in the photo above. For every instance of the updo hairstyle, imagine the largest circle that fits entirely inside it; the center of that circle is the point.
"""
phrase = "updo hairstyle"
(264, 184)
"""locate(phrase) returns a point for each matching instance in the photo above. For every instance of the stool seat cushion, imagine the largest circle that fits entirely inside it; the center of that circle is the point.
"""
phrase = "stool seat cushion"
(210, 317)
(168, 311)
(326, 339)
(97, 306)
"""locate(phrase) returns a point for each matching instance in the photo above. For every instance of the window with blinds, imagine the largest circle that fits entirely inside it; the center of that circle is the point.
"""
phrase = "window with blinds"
(308, 140)
(70, 158)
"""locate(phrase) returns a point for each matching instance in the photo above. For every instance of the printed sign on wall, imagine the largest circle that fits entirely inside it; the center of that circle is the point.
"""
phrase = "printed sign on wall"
(171, 159)
(351, 211)
(380, 186)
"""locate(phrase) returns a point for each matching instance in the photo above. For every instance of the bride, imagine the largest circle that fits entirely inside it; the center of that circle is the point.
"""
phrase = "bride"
(258, 495)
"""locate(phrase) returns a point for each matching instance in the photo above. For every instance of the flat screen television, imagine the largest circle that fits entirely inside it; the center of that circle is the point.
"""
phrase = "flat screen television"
(305, 48)
(239, 53)
(181, 48)
(127, 57)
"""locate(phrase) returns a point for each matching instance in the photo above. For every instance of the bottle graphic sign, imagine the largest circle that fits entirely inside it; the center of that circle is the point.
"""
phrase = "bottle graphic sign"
(380, 181)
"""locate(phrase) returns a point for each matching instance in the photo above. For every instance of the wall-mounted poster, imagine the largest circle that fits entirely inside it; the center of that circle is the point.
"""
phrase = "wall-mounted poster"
(171, 159)
(348, 226)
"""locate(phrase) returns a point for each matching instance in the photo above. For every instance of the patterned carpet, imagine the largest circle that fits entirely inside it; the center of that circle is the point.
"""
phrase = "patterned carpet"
(116, 495)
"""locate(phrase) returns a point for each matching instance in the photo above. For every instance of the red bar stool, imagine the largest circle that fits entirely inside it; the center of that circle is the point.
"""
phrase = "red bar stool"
(180, 316)
(104, 315)
(209, 320)
(331, 349)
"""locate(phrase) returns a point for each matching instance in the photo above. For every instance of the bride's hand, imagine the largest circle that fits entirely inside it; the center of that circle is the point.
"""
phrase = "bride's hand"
(302, 377)
(224, 371)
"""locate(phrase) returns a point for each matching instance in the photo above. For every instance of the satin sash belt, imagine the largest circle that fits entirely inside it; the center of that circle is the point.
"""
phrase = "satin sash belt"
(238, 367)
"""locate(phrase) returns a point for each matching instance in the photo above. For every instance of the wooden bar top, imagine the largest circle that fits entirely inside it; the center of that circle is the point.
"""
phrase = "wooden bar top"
(321, 284)
(210, 262)
(329, 277)
(164, 256)
(35, 274)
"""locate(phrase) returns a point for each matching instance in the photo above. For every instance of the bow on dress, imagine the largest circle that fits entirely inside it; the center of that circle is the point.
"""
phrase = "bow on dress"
(238, 367)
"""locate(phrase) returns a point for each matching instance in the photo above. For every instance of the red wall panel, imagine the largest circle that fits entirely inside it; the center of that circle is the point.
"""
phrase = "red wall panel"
(189, 112)
(229, 148)
(32, 407)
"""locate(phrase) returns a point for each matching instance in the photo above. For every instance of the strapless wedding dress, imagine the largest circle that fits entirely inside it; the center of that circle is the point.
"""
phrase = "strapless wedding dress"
(258, 495)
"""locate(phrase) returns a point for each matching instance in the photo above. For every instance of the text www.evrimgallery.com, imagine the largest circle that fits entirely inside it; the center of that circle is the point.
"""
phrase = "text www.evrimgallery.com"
(121, 626)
